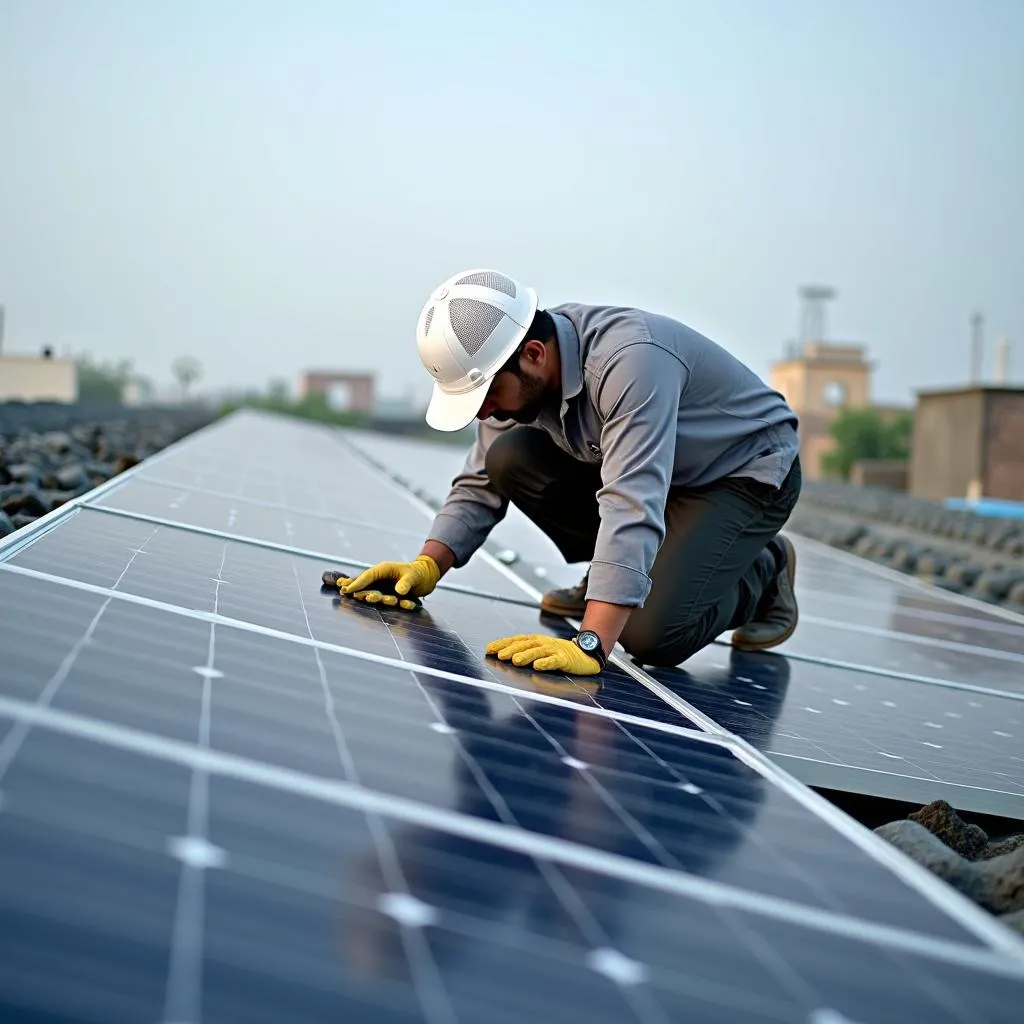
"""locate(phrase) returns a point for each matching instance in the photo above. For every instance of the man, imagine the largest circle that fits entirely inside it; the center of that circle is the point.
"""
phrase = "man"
(637, 445)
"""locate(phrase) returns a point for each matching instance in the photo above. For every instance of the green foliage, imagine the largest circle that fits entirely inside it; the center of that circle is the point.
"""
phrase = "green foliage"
(312, 407)
(102, 382)
(315, 407)
(277, 390)
(864, 433)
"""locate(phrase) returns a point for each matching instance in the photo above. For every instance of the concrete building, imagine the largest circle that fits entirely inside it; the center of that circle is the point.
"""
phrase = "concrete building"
(968, 443)
(818, 380)
(44, 378)
(348, 392)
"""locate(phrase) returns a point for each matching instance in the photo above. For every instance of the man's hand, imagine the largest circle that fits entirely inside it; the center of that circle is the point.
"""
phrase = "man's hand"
(545, 653)
(404, 583)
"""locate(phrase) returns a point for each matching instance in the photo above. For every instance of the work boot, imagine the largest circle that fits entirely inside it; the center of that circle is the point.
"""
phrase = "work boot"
(776, 616)
(568, 601)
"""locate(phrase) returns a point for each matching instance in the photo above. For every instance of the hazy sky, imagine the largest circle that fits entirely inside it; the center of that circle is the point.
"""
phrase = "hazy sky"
(275, 186)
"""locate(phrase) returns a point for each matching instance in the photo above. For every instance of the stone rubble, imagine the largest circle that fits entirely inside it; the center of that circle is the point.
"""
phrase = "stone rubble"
(41, 469)
(957, 550)
(989, 872)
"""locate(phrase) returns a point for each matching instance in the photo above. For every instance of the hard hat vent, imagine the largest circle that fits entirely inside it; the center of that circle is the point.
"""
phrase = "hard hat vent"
(473, 321)
(490, 279)
(428, 321)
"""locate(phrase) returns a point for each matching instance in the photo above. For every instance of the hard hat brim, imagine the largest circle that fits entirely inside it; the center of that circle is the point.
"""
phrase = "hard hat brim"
(453, 412)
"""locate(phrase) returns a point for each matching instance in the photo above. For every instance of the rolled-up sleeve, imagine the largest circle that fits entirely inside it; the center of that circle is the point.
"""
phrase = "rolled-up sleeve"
(638, 397)
(473, 507)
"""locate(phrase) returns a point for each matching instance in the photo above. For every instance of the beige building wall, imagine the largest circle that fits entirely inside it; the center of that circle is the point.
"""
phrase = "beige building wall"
(945, 460)
(34, 379)
(969, 443)
(817, 383)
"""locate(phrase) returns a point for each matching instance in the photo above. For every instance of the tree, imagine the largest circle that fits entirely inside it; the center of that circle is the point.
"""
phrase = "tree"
(102, 383)
(187, 370)
(278, 391)
(864, 433)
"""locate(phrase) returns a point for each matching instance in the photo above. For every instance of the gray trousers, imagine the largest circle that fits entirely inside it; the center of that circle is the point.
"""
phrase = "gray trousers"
(712, 569)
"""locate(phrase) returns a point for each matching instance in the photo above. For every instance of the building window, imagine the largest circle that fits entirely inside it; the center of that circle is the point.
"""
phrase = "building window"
(835, 393)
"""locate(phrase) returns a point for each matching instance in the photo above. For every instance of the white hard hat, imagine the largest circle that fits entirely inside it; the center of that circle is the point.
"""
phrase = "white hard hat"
(467, 330)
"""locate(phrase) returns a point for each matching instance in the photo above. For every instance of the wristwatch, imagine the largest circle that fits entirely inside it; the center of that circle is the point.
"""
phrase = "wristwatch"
(590, 643)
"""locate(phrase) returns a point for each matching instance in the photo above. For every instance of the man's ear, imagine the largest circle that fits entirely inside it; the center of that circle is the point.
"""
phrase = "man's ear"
(535, 353)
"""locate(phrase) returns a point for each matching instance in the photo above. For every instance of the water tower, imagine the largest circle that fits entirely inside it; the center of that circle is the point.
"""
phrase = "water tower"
(812, 311)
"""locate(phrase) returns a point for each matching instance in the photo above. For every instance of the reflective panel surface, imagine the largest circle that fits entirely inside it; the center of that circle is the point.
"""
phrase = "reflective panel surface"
(659, 797)
(861, 732)
(230, 795)
(329, 533)
(289, 907)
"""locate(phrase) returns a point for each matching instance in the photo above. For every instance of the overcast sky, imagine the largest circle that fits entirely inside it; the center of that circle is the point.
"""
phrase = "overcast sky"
(275, 186)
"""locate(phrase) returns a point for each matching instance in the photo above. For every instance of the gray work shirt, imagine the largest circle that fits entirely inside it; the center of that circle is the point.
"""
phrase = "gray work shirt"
(656, 405)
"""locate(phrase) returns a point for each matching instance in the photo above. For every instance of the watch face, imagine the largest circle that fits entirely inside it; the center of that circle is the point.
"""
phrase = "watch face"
(589, 641)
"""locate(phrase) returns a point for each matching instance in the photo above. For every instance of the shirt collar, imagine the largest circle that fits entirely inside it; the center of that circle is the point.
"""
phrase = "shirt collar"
(568, 342)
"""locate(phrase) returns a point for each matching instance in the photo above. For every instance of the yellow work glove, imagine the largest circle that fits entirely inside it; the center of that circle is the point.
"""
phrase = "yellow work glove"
(545, 653)
(385, 595)
(404, 583)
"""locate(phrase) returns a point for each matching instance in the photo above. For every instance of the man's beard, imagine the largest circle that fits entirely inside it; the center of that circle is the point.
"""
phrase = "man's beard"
(536, 397)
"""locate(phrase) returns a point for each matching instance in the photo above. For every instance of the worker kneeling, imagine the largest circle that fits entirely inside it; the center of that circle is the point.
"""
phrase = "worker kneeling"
(637, 445)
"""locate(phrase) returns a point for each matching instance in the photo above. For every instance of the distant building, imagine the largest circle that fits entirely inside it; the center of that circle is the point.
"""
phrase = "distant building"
(344, 392)
(818, 381)
(43, 378)
(138, 391)
(968, 443)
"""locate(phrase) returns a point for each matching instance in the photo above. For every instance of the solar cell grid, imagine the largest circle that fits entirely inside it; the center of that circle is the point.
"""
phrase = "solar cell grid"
(283, 592)
(996, 670)
(278, 830)
(185, 487)
(902, 739)
(866, 582)
(318, 907)
(334, 536)
(274, 521)
(449, 748)
(900, 614)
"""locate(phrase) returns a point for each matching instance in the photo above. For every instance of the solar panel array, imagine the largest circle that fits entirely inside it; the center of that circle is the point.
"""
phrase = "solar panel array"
(885, 689)
(231, 795)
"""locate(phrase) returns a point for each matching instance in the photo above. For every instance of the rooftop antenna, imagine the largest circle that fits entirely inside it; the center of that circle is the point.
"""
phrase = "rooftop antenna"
(812, 312)
(977, 325)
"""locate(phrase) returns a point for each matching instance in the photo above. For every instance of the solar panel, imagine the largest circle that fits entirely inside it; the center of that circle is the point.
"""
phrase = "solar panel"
(230, 796)
(864, 733)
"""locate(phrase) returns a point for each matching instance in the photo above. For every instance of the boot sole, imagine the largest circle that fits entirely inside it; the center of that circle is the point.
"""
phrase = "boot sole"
(565, 610)
(791, 578)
